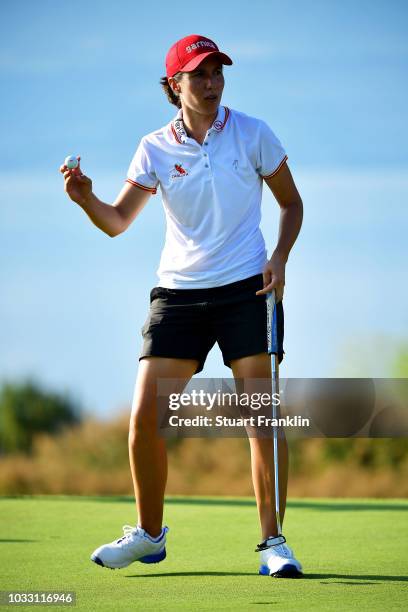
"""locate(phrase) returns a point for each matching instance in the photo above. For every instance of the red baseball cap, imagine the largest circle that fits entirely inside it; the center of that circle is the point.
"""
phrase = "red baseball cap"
(187, 53)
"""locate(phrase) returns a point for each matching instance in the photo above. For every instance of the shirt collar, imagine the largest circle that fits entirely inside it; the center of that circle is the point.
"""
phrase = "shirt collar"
(179, 131)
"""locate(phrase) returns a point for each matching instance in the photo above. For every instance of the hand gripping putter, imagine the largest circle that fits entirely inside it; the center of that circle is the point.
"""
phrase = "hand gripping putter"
(272, 333)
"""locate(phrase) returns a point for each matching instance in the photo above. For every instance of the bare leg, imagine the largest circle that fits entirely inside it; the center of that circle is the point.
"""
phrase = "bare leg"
(147, 450)
(262, 459)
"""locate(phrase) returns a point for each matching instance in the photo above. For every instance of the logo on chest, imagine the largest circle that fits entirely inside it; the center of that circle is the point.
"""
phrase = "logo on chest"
(178, 172)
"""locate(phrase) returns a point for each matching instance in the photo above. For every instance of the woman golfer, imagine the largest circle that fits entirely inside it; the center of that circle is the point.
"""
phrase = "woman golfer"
(210, 163)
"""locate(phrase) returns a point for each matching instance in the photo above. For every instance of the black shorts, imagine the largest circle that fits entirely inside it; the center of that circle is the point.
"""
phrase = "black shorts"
(186, 323)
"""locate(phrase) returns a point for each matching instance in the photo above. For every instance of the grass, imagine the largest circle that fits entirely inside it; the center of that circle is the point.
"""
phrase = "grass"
(353, 553)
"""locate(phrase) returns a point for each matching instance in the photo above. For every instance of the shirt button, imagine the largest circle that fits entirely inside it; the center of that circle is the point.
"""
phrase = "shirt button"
(207, 166)
(205, 154)
(206, 144)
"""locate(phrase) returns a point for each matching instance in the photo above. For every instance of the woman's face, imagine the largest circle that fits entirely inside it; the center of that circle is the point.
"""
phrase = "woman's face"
(201, 90)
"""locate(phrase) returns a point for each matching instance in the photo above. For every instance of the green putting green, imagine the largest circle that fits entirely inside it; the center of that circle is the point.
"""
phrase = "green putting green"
(354, 554)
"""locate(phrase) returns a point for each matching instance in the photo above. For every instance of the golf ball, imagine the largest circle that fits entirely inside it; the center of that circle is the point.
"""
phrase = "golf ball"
(71, 162)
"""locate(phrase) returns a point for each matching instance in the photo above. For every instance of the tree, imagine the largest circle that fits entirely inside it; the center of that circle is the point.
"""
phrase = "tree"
(27, 409)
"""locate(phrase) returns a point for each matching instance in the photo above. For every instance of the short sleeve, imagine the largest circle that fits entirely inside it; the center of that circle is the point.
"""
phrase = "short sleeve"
(141, 172)
(271, 155)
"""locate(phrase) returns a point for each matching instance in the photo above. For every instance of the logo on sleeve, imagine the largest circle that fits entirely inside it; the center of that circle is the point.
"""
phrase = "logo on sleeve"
(178, 171)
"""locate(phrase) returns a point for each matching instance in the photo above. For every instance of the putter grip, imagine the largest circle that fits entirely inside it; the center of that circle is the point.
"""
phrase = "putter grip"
(272, 327)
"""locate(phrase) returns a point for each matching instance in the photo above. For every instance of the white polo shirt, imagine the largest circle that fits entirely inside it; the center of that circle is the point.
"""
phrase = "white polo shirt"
(211, 196)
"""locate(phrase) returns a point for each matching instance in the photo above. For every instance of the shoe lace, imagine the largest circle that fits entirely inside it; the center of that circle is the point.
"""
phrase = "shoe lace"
(128, 531)
(283, 551)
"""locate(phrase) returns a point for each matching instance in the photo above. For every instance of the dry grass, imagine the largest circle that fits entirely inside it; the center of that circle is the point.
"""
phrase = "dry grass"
(93, 459)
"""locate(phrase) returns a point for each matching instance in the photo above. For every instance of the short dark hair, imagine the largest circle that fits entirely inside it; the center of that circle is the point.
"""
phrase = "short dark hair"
(172, 97)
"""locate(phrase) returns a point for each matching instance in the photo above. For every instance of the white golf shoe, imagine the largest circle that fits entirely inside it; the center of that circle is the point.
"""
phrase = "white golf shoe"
(277, 559)
(135, 545)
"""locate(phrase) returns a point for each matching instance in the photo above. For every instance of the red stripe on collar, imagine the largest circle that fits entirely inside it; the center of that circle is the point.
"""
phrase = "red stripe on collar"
(217, 125)
(227, 114)
(175, 134)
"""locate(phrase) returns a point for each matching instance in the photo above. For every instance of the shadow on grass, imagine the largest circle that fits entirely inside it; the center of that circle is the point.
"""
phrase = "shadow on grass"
(179, 574)
(348, 505)
(367, 578)
(322, 504)
(4, 541)
(364, 579)
(332, 505)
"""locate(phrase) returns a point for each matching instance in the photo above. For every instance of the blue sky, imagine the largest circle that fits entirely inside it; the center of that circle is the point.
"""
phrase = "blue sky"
(82, 77)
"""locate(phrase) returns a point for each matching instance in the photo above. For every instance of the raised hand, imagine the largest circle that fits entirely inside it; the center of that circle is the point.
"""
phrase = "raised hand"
(77, 185)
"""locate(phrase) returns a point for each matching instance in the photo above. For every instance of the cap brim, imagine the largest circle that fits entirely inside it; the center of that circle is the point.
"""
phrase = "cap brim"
(196, 61)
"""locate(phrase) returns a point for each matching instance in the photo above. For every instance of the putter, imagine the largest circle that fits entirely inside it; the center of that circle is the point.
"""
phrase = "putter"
(272, 332)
